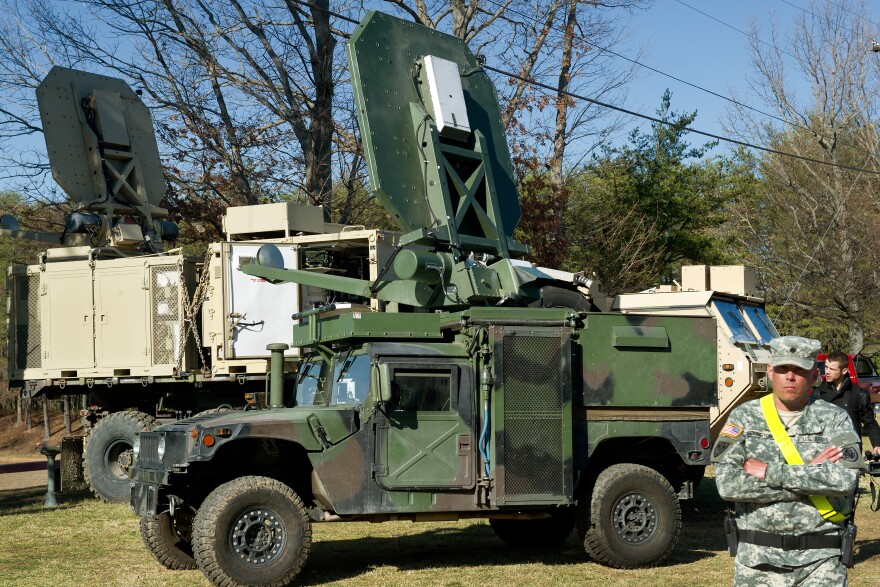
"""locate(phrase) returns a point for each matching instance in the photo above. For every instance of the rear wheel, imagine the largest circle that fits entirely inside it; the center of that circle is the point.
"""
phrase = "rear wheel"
(633, 518)
(169, 539)
(550, 531)
(252, 531)
(107, 454)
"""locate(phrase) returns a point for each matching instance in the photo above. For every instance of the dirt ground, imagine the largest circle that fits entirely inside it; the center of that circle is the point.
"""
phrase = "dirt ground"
(19, 444)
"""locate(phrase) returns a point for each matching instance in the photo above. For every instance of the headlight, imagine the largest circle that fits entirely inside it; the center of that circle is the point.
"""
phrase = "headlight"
(136, 448)
(161, 448)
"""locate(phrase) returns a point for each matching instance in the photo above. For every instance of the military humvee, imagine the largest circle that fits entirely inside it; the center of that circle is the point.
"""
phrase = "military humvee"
(484, 387)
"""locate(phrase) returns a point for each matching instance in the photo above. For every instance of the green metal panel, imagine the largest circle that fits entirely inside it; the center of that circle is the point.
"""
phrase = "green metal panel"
(369, 325)
(640, 336)
(457, 192)
(649, 361)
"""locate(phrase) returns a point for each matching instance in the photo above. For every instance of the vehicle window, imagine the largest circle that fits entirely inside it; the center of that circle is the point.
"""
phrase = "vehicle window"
(864, 367)
(423, 391)
(308, 382)
(733, 317)
(351, 381)
(761, 322)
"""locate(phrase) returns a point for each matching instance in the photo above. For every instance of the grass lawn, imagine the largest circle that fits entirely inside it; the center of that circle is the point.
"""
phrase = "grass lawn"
(85, 542)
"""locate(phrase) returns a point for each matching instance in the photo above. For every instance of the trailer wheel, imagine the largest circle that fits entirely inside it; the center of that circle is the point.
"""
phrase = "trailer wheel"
(107, 454)
(169, 539)
(535, 533)
(252, 531)
(633, 518)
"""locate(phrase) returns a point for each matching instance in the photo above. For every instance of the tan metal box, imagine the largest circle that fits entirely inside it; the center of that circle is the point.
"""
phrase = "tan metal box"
(279, 220)
(695, 278)
(735, 279)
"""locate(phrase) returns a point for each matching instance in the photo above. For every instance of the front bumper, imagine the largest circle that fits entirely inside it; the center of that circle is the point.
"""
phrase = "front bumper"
(144, 499)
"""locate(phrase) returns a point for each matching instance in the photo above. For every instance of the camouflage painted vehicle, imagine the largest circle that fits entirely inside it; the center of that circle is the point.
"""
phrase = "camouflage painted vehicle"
(469, 383)
(536, 419)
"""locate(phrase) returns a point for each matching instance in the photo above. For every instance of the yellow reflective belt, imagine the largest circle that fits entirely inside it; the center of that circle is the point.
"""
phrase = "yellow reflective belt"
(793, 457)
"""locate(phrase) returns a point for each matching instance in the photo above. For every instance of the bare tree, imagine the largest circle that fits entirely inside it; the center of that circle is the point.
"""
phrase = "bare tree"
(812, 234)
(242, 92)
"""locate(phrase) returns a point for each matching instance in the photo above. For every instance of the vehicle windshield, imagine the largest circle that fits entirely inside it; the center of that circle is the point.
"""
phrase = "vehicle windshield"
(733, 317)
(308, 382)
(761, 322)
(351, 380)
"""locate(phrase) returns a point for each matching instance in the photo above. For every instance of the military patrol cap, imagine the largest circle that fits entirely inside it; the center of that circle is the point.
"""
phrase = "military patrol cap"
(794, 350)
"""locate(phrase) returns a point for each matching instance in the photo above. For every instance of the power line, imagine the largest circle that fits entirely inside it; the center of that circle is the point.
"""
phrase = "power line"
(677, 79)
(686, 128)
(730, 26)
(653, 119)
(857, 15)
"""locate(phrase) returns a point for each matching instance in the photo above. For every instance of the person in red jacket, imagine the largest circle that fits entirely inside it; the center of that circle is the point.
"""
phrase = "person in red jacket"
(839, 390)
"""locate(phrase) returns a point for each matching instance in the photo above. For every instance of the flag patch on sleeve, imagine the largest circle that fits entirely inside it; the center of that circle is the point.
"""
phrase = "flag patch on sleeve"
(731, 431)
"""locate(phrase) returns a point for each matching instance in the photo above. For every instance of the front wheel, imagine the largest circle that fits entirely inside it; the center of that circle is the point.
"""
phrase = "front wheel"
(169, 539)
(252, 531)
(632, 519)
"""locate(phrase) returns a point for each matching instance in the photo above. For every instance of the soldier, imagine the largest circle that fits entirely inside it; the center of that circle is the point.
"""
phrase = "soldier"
(792, 523)
(838, 389)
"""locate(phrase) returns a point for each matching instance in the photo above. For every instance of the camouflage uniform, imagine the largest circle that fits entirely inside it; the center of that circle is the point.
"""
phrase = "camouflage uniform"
(780, 503)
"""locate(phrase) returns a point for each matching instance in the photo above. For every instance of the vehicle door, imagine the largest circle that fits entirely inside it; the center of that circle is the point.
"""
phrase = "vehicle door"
(425, 433)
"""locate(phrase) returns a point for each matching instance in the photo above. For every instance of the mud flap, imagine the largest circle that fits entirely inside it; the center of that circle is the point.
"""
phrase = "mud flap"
(72, 478)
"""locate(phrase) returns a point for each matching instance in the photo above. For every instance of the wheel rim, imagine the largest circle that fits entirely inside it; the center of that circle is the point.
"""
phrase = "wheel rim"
(635, 518)
(118, 459)
(257, 537)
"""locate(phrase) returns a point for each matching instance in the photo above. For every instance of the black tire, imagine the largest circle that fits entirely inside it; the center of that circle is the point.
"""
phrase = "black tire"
(252, 531)
(537, 533)
(557, 297)
(633, 518)
(107, 454)
(169, 539)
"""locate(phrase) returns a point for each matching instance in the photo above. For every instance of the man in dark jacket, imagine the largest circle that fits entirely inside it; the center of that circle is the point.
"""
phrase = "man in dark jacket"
(840, 391)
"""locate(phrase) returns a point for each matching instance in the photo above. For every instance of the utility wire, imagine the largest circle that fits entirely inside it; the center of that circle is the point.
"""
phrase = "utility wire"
(653, 119)
(685, 82)
(730, 26)
(856, 14)
(679, 127)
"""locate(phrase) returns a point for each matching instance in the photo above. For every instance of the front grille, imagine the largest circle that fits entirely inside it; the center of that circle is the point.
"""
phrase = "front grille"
(533, 416)
(175, 450)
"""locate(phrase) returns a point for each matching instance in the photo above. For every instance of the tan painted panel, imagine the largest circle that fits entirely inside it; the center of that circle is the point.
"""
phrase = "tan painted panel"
(68, 325)
(121, 306)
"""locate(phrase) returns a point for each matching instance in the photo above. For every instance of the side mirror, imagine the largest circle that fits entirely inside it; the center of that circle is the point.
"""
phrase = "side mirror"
(382, 382)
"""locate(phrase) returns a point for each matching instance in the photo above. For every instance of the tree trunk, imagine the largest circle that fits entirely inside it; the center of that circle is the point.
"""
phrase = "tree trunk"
(18, 409)
(46, 418)
(65, 401)
(28, 404)
(84, 404)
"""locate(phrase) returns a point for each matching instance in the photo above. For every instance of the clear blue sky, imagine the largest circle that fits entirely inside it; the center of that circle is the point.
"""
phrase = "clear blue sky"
(684, 43)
